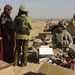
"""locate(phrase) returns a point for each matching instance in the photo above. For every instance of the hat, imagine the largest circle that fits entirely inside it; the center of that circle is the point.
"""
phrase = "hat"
(38, 40)
(62, 24)
(24, 8)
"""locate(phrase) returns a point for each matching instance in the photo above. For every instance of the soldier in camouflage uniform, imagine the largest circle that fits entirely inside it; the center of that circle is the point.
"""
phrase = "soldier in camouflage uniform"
(62, 39)
(22, 36)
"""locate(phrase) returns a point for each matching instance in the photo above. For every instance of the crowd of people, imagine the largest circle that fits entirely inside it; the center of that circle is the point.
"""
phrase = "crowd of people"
(19, 31)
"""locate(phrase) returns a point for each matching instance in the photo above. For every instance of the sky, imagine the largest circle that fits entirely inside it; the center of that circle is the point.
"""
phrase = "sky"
(43, 9)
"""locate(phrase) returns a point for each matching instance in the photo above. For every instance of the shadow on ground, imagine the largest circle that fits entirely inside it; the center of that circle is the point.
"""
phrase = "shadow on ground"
(32, 73)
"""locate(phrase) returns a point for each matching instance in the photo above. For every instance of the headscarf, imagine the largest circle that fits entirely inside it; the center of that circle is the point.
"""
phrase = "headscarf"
(7, 8)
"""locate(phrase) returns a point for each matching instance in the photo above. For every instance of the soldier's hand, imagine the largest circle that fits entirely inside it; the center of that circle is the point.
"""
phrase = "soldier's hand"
(60, 50)
(66, 50)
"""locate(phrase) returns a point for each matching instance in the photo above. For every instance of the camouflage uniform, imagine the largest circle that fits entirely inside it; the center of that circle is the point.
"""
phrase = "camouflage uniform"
(22, 39)
(62, 39)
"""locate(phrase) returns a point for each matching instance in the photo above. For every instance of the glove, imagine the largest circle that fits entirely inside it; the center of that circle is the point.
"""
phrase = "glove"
(60, 50)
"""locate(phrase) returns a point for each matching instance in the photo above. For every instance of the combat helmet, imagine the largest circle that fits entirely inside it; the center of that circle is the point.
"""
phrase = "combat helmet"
(24, 8)
(62, 24)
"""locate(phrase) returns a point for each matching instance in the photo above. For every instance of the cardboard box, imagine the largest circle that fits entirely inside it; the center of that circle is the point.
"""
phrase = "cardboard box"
(44, 54)
(45, 51)
(5, 68)
(44, 34)
(44, 46)
(50, 69)
(37, 44)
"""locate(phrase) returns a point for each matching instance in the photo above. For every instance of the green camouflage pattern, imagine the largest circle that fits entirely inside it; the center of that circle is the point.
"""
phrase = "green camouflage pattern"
(63, 39)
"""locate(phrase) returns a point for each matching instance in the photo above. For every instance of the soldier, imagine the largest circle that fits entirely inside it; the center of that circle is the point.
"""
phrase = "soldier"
(62, 39)
(22, 26)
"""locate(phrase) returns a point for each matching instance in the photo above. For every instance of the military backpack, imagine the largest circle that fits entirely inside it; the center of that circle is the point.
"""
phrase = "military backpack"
(22, 25)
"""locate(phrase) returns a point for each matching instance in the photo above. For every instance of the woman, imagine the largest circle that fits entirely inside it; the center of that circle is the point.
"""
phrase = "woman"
(7, 34)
